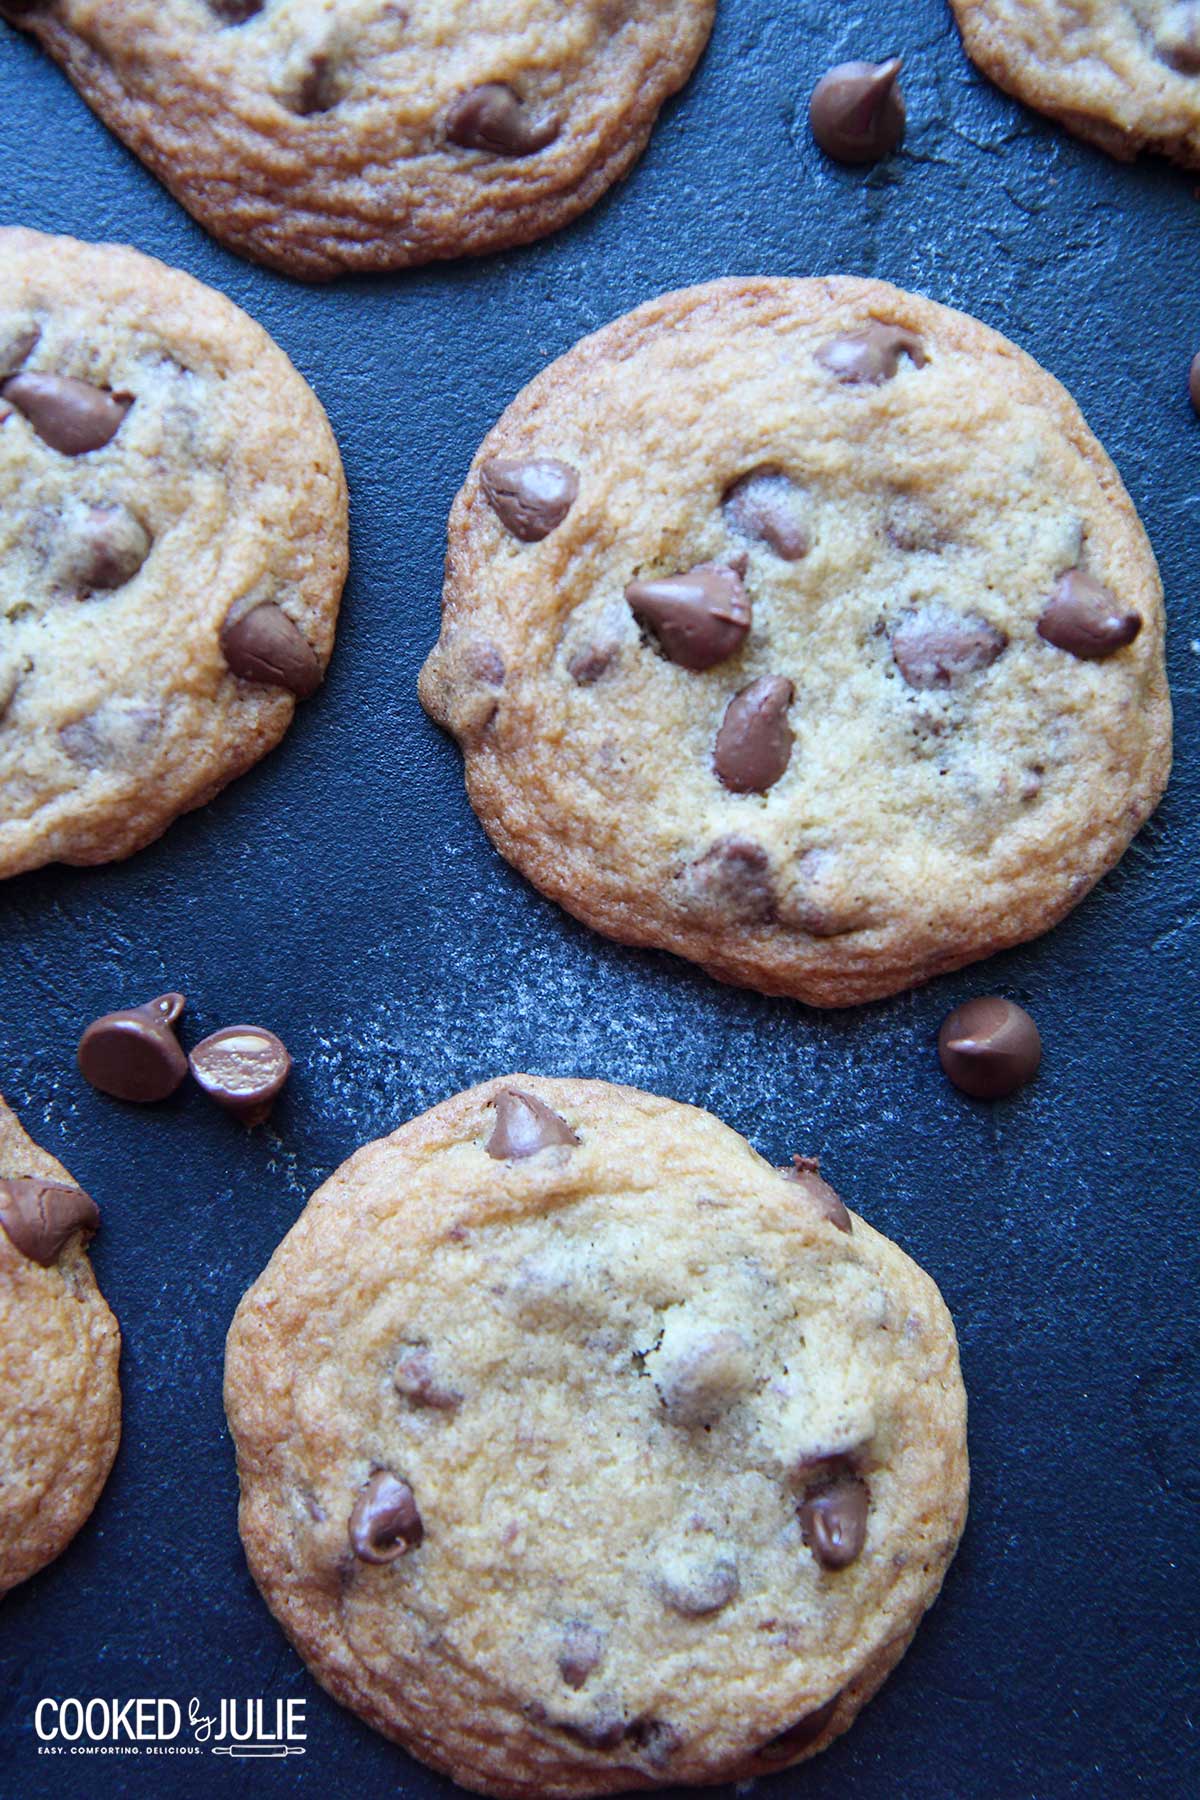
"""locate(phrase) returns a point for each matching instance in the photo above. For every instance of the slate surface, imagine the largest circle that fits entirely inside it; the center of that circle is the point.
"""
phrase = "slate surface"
(344, 894)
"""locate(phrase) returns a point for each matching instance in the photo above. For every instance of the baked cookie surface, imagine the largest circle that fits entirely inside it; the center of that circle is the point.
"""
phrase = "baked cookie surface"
(1124, 74)
(581, 1450)
(803, 628)
(60, 1402)
(173, 544)
(369, 134)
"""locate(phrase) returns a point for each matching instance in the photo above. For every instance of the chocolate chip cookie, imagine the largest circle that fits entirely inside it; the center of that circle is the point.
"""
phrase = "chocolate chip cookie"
(172, 547)
(804, 629)
(374, 135)
(581, 1450)
(60, 1403)
(1124, 74)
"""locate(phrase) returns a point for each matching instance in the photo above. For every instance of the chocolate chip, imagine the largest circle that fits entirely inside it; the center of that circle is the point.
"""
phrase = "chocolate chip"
(320, 87)
(604, 1731)
(102, 547)
(799, 1736)
(71, 416)
(935, 648)
(582, 1653)
(235, 12)
(17, 344)
(415, 1376)
(1178, 39)
(754, 744)
(833, 1523)
(732, 881)
(10, 680)
(117, 735)
(1085, 618)
(990, 1047)
(1194, 383)
(587, 666)
(485, 662)
(493, 117)
(857, 111)
(530, 498)
(39, 1216)
(699, 616)
(697, 1588)
(871, 356)
(385, 1523)
(699, 1374)
(805, 1172)
(524, 1125)
(765, 505)
(242, 1068)
(264, 645)
(655, 1740)
(134, 1054)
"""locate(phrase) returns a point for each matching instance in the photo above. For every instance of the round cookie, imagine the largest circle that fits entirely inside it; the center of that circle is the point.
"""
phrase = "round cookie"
(60, 1402)
(804, 629)
(1124, 74)
(173, 546)
(581, 1450)
(371, 135)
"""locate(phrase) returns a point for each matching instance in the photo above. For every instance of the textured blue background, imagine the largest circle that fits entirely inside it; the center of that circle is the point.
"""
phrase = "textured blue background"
(344, 894)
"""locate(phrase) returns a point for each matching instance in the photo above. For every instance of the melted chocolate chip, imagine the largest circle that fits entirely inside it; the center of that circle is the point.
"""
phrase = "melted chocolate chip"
(134, 1054)
(582, 1652)
(733, 881)
(494, 118)
(264, 645)
(990, 1047)
(871, 356)
(765, 505)
(415, 1376)
(524, 1125)
(103, 547)
(935, 648)
(857, 111)
(833, 1523)
(39, 1216)
(71, 416)
(531, 498)
(754, 744)
(700, 616)
(242, 1068)
(385, 1523)
(799, 1736)
(805, 1172)
(1085, 618)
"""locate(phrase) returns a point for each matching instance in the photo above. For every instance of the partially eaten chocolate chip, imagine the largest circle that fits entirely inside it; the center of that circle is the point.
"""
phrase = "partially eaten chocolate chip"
(871, 356)
(699, 616)
(754, 744)
(385, 1523)
(833, 1522)
(1085, 618)
(768, 506)
(39, 1216)
(530, 497)
(524, 1125)
(934, 648)
(133, 1054)
(243, 1068)
(493, 117)
(264, 645)
(71, 416)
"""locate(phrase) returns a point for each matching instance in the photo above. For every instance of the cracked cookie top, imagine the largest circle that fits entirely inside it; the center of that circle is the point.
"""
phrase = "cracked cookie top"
(583, 1450)
(373, 134)
(803, 628)
(172, 547)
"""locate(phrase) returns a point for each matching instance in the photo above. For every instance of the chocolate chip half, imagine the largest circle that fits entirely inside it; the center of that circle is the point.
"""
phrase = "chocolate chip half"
(385, 1523)
(869, 357)
(531, 498)
(766, 505)
(857, 111)
(699, 616)
(524, 1125)
(935, 648)
(264, 645)
(581, 1654)
(493, 117)
(415, 1376)
(805, 1172)
(990, 1047)
(134, 1054)
(833, 1522)
(71, 416)
(242, 1068)
(799, 1736)
(102, 548)
(39, 1216)
(1085, 618)
(754, 744)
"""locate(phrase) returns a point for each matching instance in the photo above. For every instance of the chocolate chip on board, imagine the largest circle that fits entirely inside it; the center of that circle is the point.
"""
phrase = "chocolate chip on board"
(989, 1047)
(857, 111)
(133, 1054)
(242, 1068)
(39, 1216)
